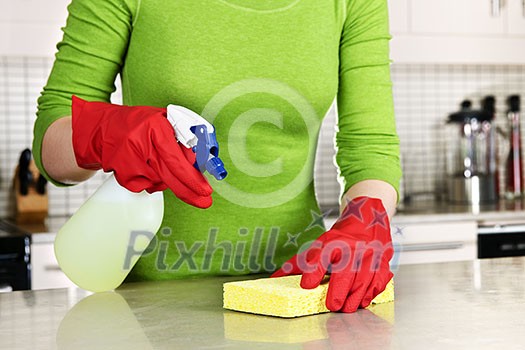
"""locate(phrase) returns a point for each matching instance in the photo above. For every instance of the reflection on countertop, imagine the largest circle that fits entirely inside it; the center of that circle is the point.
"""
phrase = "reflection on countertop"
(461, 305)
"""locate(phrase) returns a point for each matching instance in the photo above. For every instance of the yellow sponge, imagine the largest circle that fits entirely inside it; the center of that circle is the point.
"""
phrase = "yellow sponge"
(283, 297)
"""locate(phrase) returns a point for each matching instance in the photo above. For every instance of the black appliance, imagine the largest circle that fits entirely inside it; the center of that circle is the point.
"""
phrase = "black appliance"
(15, 258)
(497, 241)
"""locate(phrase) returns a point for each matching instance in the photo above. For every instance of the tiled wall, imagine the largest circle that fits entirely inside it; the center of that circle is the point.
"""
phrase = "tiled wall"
(21, 81)
(424, 95)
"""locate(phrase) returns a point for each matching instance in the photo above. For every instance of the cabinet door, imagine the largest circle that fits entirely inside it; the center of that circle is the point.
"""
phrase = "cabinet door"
(516, 17)
(419, 243)
(434, 242)
(33, 10)
(398, 11)
(46, 274)
(456, 17)
(31, 27)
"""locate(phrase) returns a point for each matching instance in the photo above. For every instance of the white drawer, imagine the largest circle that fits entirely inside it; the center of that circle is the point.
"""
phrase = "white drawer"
(46, 274)
(432, 242)
(435, 242)
(436, 232)
(444, 252)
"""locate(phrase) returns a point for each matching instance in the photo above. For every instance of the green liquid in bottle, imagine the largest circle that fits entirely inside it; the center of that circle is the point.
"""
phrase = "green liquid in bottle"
(100, 244)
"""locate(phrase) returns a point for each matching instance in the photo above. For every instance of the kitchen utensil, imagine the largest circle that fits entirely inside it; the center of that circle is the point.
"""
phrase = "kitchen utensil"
(514, 183)
(29, 188)
(471, 155)
(25, 176)
(40, 185)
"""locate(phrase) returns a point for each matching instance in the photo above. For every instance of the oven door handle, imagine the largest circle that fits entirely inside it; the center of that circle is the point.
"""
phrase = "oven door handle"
(9, 256)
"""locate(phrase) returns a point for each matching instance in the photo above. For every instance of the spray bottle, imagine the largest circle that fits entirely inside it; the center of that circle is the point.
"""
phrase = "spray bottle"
(98, 246)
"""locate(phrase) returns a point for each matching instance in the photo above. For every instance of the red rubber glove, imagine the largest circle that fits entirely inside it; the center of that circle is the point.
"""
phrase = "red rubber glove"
(353, 332)
(139, 145)
(356, 252)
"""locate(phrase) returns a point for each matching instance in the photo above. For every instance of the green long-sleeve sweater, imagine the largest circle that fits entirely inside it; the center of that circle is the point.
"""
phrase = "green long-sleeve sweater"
(265, 73)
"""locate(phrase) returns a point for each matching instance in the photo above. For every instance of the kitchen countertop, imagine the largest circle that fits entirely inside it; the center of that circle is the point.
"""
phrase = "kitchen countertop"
(427, 211)
(504, 212)
(417, 211)
(459, 305)
(508, 211)
(40, 233)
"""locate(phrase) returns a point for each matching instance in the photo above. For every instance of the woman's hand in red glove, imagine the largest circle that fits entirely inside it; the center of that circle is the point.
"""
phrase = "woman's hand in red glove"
(139, 145)
(356, 252)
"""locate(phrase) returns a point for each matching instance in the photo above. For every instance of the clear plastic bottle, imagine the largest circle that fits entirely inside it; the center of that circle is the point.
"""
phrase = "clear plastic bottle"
(100, 244)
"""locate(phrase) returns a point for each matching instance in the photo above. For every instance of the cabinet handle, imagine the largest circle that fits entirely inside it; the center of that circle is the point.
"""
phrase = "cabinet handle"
(496, 7)
(523, 7)
(52, 268)
(432, 246)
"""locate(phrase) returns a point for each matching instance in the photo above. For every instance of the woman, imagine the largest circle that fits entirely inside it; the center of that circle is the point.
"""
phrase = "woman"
(265, 73)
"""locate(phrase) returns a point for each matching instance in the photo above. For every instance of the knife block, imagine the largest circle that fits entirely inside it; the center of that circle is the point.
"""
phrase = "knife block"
(33, 207)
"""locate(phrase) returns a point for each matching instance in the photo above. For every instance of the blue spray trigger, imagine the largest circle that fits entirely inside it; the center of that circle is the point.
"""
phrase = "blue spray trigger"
(207, 153)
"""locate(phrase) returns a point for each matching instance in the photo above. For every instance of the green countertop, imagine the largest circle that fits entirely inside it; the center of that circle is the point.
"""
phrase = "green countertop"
(462, 305)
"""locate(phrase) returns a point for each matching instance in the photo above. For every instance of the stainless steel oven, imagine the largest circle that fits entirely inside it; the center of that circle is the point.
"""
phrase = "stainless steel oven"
(506, 240)
(15, 258)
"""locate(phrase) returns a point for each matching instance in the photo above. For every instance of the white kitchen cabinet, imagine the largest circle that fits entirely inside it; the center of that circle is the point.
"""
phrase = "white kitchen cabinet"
(458, 31)
(454, 17)
(431, 242)
(398, 13)
(516, 22)
(33, 10)
(435, 242)
(31, 27)
(29, 39)
(45, 272)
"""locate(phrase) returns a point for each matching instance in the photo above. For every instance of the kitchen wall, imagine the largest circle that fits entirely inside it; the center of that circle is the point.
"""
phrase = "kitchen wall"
(424, 95)
(21, 81)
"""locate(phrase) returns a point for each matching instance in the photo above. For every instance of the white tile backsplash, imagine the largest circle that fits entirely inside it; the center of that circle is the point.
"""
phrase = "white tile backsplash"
(424, 95)
(22, 79)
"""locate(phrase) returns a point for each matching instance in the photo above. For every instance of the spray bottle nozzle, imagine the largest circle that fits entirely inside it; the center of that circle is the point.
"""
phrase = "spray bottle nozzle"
(207, 152)
(195, 132)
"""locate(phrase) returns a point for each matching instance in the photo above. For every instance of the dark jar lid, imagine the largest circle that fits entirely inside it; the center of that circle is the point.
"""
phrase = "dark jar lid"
(466, 114)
